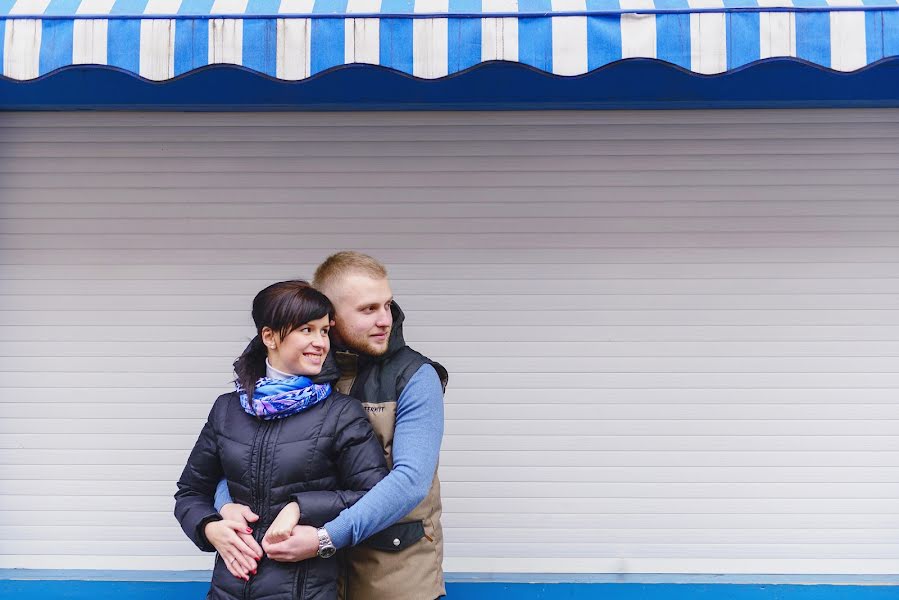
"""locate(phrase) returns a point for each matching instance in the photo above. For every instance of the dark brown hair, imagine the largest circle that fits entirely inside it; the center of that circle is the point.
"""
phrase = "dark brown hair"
(282, 307)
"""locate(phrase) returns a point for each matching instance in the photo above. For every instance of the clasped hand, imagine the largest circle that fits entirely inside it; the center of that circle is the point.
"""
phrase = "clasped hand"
(285, 541)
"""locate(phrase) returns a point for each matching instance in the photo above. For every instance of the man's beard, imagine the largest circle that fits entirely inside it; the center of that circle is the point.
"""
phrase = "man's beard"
(363, 345)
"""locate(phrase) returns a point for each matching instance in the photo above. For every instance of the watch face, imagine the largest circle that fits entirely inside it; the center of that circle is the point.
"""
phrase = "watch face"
(327, 551)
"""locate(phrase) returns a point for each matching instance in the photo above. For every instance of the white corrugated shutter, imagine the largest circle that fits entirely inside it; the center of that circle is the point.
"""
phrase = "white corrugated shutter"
(673, 337)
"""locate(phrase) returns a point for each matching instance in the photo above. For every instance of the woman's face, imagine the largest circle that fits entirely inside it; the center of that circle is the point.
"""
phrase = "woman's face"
(302, 351)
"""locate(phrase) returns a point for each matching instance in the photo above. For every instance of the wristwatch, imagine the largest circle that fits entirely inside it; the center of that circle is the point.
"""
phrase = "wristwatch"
(326, 548)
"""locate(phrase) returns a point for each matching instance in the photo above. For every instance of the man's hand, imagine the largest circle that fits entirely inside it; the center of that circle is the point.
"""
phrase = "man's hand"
(239, 558)
(302, 544)
(242, 514)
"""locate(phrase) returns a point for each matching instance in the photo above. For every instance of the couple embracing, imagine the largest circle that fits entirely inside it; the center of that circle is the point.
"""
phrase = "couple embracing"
(316, 478)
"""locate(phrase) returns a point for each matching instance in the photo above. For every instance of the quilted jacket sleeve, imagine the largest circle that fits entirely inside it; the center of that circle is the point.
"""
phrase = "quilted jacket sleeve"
(360, 464)
(196, 488)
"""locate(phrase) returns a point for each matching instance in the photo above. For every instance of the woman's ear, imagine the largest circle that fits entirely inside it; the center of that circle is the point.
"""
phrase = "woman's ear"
(268, 338)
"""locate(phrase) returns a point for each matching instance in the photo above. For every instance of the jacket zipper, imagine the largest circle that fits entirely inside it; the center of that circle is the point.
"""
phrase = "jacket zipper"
(261, 496)
(259, 492)
(300, 572)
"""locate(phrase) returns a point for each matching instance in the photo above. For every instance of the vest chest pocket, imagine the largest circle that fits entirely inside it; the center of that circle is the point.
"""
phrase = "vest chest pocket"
(397, 537)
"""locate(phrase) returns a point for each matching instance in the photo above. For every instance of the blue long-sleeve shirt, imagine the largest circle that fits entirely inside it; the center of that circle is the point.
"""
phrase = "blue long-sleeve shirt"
(416, 448)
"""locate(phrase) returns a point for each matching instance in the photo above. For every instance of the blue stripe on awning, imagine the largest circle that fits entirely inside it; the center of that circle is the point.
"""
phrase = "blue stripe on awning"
(123, 36)
(673, 33)
(56, 45)
(890, 40)
(260, 46)
(813, 33)
(62, 7)
(327, 36)
(453, 40)
(874, 36)
(603, 34)
(192, 38)
(396, 35)
(535, 36)
(743, 40)
(463, 36)
(2, 39)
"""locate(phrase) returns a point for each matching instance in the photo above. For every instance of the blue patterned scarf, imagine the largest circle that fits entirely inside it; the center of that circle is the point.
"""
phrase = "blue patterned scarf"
(279, 398)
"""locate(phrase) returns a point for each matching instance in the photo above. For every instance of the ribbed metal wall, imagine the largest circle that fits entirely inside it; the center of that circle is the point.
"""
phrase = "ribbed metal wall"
(673, 336)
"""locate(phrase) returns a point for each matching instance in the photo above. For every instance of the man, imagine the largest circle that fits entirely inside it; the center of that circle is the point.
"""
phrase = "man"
(398, 522)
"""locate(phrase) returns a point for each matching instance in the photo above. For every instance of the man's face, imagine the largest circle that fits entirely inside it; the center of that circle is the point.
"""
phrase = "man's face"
(362, 313)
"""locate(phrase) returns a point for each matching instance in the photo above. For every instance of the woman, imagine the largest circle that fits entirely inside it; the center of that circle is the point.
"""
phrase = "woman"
(279, 434)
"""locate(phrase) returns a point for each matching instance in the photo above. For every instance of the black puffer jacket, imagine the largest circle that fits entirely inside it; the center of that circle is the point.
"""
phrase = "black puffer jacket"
(326, 455)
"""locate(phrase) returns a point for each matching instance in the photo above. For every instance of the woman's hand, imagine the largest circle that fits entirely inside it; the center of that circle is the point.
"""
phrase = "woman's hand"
(243, 515)
(233, 550)
(283, 524)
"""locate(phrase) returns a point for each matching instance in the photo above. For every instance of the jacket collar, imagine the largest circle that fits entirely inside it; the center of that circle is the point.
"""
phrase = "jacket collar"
(330, 371)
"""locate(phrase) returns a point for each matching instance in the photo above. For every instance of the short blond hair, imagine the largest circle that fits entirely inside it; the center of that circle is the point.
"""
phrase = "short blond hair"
(339, 265)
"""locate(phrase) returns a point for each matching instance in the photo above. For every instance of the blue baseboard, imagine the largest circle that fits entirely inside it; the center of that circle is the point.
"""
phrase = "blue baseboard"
(104, 589)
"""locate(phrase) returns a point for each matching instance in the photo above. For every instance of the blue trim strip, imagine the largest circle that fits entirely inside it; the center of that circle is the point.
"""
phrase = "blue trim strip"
(628, 84)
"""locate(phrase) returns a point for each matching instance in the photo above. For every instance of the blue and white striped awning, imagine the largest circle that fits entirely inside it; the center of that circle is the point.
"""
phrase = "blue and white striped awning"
(295, 39)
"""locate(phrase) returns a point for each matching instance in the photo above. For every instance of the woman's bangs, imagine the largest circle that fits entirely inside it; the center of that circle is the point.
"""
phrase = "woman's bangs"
(301, 308)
